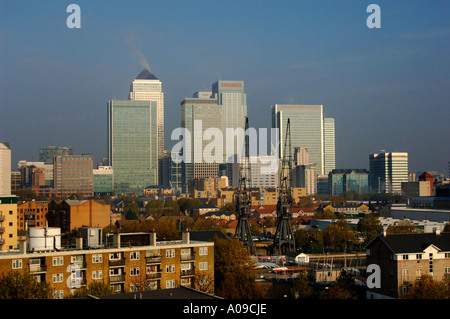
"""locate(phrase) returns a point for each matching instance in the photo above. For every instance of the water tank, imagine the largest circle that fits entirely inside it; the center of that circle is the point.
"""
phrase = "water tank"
(44, 238)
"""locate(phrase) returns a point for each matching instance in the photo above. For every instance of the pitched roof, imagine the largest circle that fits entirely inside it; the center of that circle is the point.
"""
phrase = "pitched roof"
(411, 243)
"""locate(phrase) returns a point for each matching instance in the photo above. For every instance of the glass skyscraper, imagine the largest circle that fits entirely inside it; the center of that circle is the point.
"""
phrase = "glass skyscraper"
(133, 144)
(306, 123)
(147, 87)
(344, 180)
(388, 171)
(329, 151)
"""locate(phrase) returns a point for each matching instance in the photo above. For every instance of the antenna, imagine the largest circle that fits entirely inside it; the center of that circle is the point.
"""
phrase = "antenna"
(243, 199)
(284, 237)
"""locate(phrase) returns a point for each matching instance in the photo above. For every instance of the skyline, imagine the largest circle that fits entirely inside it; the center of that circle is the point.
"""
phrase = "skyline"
(55, 82)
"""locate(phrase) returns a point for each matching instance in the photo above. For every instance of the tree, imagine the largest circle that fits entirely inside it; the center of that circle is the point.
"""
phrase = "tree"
(403, 227)
(370, 227)
(187, 204)
(171, 208)
(95, 288)
(234, 274)
(305, 201)
(343, 288)
(23, 285)
(302, 286)
(154, 208)
(203, 282)
(428, 288)
(339, 234)
(166, 229)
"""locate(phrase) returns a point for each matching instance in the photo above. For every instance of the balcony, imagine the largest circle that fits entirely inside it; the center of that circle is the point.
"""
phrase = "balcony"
(187, 272)
(2, 218)
(37, 269)
(153, 260)
(2, 230)
(187, 257)
(117, 263)
(116, 279)
(154, 275)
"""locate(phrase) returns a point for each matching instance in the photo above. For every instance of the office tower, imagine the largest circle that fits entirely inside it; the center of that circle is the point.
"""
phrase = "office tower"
(230, 95)
(73, 174)
(306, 130)
(198, 114)
(301, 156)
(27, 170)
(5, 169)
(47, 155)
(264, 171)
(207, 111)
(147, 87)
(133, 144)
(329, 152)
(323, 185)
(345, 180)
(388, 171)
(304, 174)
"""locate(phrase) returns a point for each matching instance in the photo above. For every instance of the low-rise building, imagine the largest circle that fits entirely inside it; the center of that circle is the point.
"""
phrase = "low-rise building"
(404, 258)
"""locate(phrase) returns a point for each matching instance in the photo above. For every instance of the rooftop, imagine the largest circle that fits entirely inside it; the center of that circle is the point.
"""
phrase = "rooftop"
(146, 75)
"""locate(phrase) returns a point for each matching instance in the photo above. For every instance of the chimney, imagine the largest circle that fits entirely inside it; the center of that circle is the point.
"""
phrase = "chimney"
(153, 238)
(79, 243)
(436, 231)
(22, 246)
(186, 237)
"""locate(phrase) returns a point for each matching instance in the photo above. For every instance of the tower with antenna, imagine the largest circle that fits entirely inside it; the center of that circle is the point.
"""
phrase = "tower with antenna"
(284, 237)
(243, 199)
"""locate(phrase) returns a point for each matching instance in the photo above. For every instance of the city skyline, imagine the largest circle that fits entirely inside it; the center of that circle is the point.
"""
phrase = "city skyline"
(386, 88)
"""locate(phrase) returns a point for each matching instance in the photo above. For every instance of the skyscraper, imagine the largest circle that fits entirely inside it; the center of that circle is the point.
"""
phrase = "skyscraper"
(306, 130)
(133, 144)
(147, 87)
(388, 171)
(47, 155)
(5, 169)
(222, 108)
(329, 152)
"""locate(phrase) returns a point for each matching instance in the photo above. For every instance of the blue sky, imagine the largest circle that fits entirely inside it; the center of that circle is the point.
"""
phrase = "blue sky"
(387, 88)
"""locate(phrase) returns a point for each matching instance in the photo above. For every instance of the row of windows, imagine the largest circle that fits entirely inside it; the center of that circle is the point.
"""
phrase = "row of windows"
(98, 258)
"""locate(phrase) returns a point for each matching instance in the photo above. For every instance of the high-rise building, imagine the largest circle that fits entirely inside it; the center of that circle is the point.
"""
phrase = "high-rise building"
(147, 87)
(264, 171)
(47, 155)
(329, 152)
(8, 222)
(306, 124)
(388, 171)
(5, 169)
(223, 108)
(133, 144)
(73, 174)
(103, 178)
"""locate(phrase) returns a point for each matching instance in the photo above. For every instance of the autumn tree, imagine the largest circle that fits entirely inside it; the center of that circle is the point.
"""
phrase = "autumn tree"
(302, 286)
(339, 234)
(234, 273)
(23, 285)
(154, 208)
(96, 288)
(342, 288)
(403, 227)
(369, 227)
(132, 211)
(428, 288)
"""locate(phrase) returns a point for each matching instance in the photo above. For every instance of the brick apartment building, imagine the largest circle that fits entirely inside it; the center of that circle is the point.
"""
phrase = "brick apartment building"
(31, 214)
(404, 258)
(135, 262)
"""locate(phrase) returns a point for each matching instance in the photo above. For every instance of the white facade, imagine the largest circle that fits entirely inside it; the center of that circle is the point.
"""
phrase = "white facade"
(5, 169)
(329, 152)
(151, 90)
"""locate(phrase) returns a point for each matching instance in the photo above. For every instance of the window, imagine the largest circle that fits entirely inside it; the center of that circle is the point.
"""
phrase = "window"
(419, 256)
(170, 283)
(405, 274)
(17, 264)
(97, 274)
(58, 294)
(134, 255)
(185, 251)
(58, 261)
(76, 259)
(405, 257)
(114, 256)
(203, 251)
(170, 268)
(134, 271)
(418, 273)
(447, 255)
(431, 263)
(203, 265)
(170, 253)
(97, 259)
(58, 278)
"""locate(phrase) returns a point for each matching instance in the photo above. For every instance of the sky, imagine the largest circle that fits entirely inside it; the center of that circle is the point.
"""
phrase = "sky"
(387, 88)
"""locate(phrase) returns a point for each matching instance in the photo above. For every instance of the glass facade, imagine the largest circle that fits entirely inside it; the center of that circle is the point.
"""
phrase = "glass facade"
(388, 171)
(306, 122)
(47, 155)
(341, 181)
(329, 152)
(133, 144)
